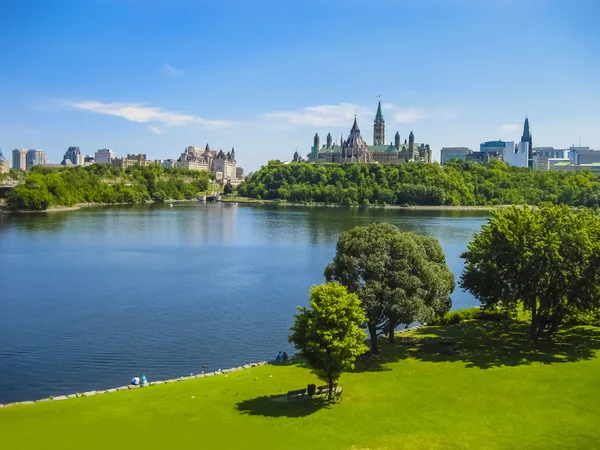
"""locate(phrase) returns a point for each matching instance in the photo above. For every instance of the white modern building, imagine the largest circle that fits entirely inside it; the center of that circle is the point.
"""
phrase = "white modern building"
(104, 156)
(516, 155)
(583, 155)
(449, 153)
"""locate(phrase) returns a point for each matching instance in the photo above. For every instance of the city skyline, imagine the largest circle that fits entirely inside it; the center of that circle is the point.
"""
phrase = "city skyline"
(157, 78)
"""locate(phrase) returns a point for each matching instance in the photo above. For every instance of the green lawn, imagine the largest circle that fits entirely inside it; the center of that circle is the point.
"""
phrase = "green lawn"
(499, 392)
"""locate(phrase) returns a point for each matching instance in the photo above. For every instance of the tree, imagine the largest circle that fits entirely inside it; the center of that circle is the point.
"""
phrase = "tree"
(228, 188)
(328, 333)
(543, 258)
(399, 277)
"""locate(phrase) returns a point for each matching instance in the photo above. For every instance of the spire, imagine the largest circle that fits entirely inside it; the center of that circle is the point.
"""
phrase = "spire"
(207, 148)
(379, 114)
(355, 128)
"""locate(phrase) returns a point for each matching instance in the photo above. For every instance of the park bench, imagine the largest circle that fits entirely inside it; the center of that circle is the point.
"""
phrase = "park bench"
(453, 349)
(324, 390)
(296, 393)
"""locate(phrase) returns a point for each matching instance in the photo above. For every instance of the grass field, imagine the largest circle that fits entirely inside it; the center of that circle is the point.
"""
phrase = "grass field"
(499, 392)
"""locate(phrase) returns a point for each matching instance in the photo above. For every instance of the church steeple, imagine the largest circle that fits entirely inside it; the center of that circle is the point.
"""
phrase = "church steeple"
(355, 129)
(527, 137)
(379, 127)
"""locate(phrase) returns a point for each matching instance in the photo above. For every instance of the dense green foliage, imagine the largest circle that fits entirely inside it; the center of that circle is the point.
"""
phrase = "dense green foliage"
(328, 333)
(399, 277)
(545, 259)
(541, 397)
(457, 183)
(102, 183)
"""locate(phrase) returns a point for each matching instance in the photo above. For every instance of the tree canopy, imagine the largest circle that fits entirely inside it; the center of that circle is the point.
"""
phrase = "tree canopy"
(455, 183)
(102, 183)
(399, 277)
(328, 333)
(545, 259)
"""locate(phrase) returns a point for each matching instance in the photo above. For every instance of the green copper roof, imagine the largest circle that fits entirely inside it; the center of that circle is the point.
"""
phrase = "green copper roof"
(379, 114)
(382, 148)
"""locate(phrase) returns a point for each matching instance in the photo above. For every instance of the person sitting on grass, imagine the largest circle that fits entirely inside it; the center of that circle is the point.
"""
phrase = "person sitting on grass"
(285, 356)
(136, 381)
(279, 357)
(144, 381)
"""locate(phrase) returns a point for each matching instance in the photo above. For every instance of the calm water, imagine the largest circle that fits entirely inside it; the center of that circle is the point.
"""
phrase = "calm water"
(90, 298)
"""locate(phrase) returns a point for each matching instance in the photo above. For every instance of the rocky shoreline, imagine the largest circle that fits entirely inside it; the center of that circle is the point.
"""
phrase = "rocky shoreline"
(131, 386)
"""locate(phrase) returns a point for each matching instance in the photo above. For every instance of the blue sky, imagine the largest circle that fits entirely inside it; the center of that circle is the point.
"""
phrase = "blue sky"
(156, 76)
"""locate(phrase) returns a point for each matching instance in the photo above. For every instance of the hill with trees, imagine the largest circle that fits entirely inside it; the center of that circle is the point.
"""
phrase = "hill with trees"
(101, 183)
(454, 184)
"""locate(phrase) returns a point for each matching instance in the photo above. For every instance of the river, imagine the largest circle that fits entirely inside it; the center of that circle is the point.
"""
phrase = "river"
(90, 298)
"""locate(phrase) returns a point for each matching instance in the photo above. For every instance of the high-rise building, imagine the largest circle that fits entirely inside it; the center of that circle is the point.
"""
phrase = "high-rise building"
(74, 155)
(104, 156)
(448, 153)
(35, 157)
(19, 159)
(4, 165)
(527, 137)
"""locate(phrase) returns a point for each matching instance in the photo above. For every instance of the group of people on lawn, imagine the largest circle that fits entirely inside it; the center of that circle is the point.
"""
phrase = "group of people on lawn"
(283, 356)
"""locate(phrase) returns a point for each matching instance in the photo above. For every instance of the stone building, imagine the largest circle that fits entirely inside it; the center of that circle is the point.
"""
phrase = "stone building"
(222, 164)
(355, 149)
(132, 160)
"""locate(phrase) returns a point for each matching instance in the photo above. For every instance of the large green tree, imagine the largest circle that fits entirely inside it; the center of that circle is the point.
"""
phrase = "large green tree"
(543, 258)
(328, 333)
(399, 277)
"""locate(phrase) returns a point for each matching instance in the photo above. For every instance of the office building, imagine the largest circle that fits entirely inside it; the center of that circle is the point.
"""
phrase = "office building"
(516, 155)
(583, 155)
(104, 156)
(36, 157)
(449, 153)
(4, 164)
(19, 159)
(73, 154)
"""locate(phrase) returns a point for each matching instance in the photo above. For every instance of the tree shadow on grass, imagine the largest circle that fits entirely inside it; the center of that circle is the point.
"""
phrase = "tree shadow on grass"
(388, 353)
(277, 406)
(486, 344)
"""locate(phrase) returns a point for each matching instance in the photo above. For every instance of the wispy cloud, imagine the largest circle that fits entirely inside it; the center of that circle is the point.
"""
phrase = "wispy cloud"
(322, 115)
(170, 70)
(341, 115)
(511, 127)
(145, 114)
(156, 130)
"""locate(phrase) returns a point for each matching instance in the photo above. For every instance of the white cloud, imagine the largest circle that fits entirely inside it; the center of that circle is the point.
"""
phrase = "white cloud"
(140, 113)
(156, 130)
(170, 70)
(511, 127)
(342, 115)
(322, 115)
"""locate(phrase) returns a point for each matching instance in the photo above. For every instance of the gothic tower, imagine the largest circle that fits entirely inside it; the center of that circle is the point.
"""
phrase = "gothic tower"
(527, 137)
(397, 141)
(316, 147)
(411, 144)
(379, 127)
(329, 140)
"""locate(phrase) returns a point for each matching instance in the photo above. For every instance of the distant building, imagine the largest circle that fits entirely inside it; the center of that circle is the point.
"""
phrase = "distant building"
(73, 154)
(449, 153)
(527, 137)
(19, 159)
(516, 155)
(583, 155)
(566, 166)
(104, 156)
(550, 152)
(239, 173)
(541, 162)
(88, 160)
(4, 164)
(354, 149)
(132, 160)
(222, 164)
(36, 157)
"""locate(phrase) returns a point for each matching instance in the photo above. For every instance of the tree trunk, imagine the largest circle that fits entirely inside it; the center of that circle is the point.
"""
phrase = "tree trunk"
(391, 333)
(373, 335)
(330, 382)
(533, 332)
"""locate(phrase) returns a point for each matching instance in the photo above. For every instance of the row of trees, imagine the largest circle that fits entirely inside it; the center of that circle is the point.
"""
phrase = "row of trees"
(102, 183)
(457, 183)
(544, 260)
